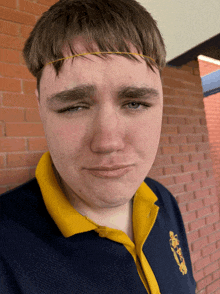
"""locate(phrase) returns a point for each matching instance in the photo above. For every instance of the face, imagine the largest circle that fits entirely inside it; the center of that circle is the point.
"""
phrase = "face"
(103, 132)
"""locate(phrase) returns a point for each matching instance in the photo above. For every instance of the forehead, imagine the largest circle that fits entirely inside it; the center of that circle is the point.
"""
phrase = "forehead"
(105, 73)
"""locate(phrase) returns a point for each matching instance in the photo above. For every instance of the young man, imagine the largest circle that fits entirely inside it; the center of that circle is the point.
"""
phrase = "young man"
(91, 221)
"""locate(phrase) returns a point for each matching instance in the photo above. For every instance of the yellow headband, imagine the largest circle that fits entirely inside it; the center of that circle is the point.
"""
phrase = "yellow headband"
(100, 53)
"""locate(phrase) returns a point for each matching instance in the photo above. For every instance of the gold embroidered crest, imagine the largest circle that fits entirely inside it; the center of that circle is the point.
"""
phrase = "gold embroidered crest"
(177, 252)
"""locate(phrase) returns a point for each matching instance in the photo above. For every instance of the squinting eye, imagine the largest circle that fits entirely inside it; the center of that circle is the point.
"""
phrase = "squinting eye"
(70, 109)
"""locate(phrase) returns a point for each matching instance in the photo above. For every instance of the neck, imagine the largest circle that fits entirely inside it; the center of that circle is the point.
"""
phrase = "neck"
(119, 218)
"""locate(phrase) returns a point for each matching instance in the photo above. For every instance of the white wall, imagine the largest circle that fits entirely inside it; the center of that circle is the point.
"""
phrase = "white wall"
(184, 23)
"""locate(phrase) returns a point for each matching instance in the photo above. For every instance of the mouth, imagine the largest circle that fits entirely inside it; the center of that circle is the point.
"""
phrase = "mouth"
(110, 172)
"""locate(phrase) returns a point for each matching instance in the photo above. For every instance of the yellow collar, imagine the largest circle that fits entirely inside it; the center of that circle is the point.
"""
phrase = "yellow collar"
(68, 219)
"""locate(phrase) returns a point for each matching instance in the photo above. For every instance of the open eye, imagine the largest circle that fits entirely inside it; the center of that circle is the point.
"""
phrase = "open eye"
(137, 105)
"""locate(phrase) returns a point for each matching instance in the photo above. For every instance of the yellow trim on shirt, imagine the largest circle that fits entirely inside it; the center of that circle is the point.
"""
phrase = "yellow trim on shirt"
(71, 222)
(68, 220)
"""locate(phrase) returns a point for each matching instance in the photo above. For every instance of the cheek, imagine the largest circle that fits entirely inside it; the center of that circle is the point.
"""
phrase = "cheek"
(64, 135)
(145, 133)
(149, 123)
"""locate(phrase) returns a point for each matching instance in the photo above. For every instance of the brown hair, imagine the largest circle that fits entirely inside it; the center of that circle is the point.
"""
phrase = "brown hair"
(110, 24)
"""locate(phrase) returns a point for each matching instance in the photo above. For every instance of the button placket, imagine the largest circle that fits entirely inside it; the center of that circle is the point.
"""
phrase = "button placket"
(102, 232)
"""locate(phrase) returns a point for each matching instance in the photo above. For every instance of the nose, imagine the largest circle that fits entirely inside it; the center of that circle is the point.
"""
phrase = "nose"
(108, 131)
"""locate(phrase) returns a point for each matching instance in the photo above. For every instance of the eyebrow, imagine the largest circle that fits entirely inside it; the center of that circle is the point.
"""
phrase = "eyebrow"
(84, 91)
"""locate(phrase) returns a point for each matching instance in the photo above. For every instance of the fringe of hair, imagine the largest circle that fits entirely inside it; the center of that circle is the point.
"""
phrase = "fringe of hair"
(109, 25)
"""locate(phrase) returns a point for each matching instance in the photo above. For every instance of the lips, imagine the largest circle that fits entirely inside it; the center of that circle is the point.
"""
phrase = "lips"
(109, 172)
(109, 167)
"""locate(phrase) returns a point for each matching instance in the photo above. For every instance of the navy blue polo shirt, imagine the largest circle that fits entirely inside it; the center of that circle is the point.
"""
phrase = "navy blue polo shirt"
(46, 246)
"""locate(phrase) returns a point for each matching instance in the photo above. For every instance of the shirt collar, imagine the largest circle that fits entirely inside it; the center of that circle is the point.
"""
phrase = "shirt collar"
(68, 219)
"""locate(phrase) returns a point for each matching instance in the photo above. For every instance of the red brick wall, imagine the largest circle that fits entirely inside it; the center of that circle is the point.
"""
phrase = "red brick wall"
(22, 139)
(212, 110)
(183, 162)
(184, 166)
(207, 67)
